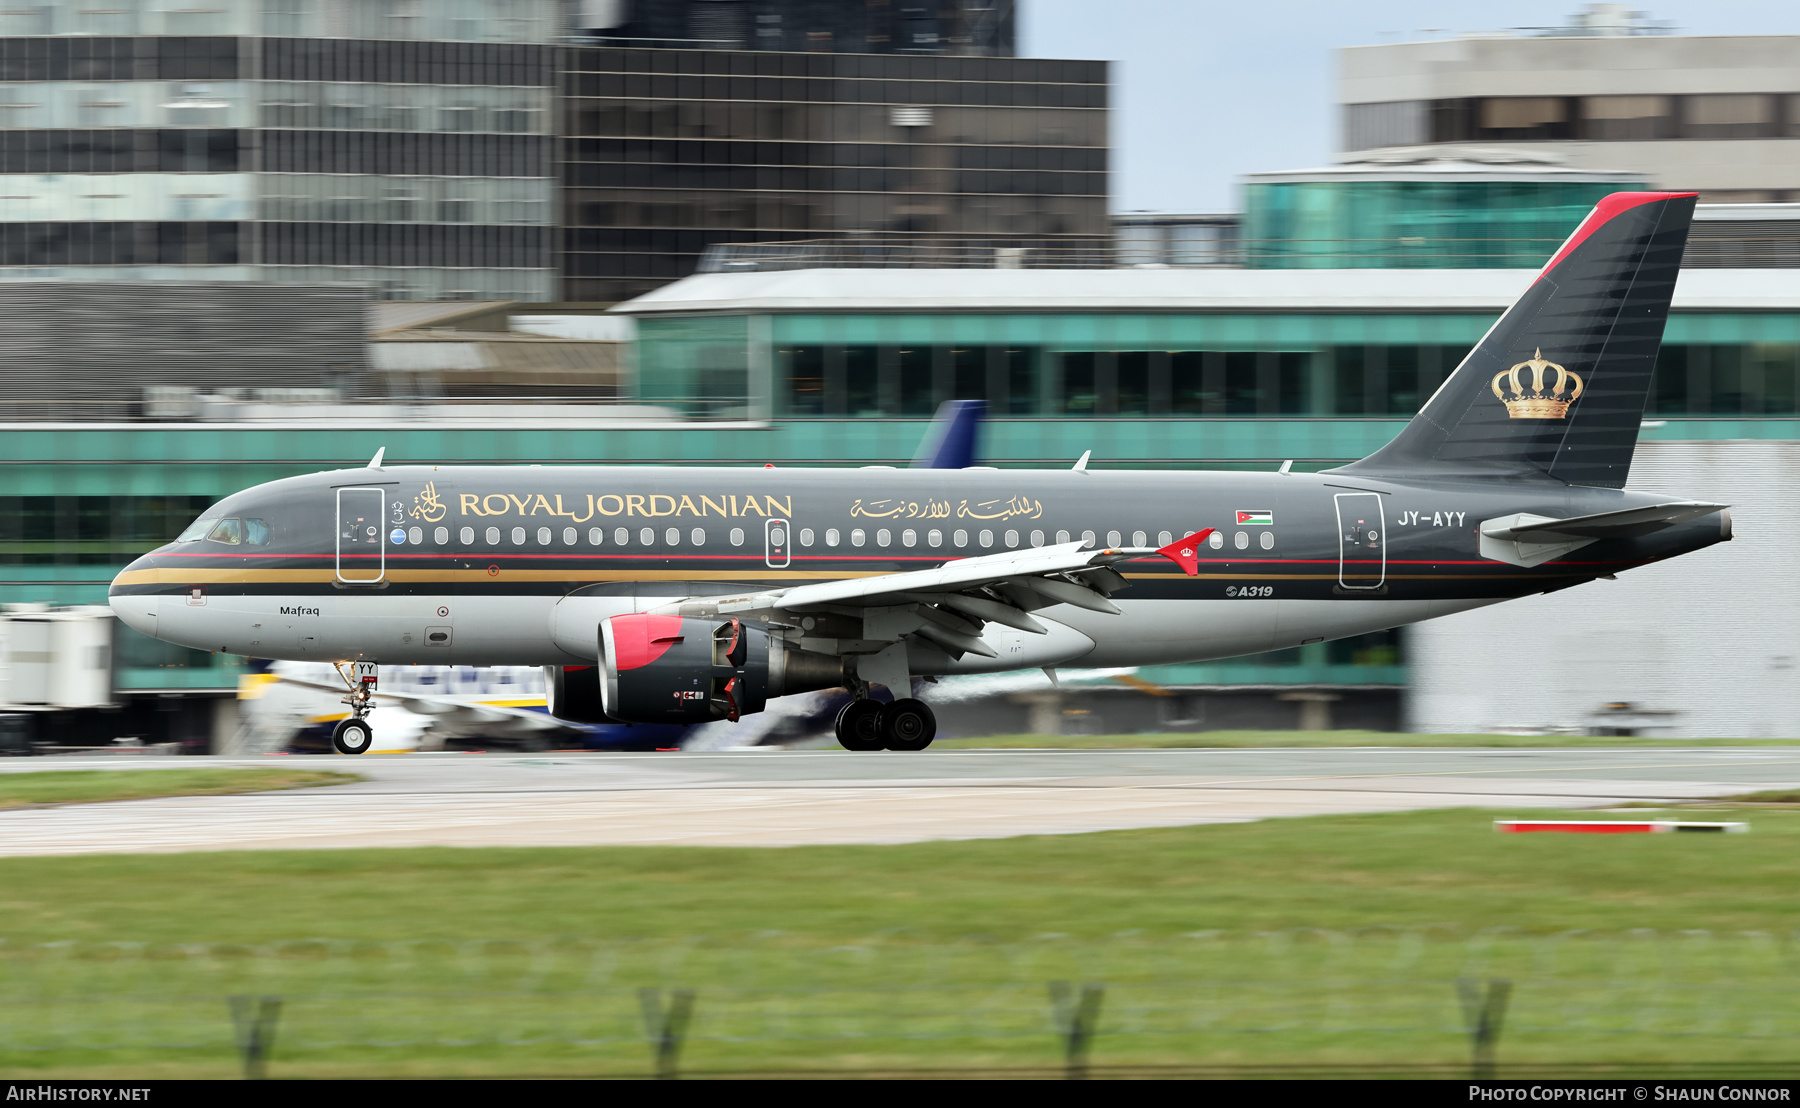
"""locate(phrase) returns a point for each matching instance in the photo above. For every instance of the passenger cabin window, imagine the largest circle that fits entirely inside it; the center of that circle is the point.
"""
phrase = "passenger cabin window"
(197, 530)
(228, 531)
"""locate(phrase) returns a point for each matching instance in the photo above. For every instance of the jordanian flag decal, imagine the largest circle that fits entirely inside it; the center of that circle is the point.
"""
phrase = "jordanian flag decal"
(1256, 517)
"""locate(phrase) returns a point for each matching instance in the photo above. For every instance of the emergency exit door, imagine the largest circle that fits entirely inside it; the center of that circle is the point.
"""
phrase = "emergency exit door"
(778, 535)
(361, 552)
(1362, 541)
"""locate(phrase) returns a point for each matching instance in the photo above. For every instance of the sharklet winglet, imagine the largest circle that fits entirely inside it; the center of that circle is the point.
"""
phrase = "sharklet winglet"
(1185, 552)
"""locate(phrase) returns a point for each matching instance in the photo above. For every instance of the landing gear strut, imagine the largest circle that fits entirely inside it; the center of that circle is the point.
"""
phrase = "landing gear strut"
(869, 725)
(354, 735)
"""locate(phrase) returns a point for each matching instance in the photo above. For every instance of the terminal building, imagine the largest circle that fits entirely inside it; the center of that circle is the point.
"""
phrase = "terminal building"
(1224, 366)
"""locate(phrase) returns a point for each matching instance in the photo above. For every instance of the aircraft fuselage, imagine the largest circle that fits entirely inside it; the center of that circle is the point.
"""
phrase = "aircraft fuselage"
(520, 565)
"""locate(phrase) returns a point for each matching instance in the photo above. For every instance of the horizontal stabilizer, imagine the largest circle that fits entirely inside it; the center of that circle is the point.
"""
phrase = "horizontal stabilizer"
(1531, 540)
(1623, 524)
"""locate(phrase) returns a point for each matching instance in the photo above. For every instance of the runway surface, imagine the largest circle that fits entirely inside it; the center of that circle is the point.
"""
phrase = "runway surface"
(790, 798)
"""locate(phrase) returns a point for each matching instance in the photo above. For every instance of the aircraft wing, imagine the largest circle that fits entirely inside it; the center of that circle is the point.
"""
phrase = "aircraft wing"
(956, 600)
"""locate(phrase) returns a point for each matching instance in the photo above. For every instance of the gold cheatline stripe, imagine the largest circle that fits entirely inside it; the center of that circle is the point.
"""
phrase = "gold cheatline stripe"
(471, 576)
(477, 576)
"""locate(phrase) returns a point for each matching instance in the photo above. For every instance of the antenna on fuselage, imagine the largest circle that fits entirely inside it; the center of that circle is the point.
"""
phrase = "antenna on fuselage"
(1081, 466)
(375, 462)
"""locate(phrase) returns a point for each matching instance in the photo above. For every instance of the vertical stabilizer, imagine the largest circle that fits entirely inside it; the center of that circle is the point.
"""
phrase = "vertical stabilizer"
(951, 441)
(1557, 387)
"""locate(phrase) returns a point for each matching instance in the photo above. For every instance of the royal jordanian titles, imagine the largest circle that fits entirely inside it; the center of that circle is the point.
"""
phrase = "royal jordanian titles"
(685, 595)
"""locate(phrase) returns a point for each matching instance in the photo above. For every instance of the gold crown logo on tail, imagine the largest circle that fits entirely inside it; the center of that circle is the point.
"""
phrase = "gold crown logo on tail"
(1537, 402)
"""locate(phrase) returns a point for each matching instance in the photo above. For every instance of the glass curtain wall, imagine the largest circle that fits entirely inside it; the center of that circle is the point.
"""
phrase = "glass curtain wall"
(1413, 225)
(1150, 366)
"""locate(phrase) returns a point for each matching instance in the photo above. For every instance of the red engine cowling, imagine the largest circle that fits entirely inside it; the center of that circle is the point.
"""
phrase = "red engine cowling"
(676, 669)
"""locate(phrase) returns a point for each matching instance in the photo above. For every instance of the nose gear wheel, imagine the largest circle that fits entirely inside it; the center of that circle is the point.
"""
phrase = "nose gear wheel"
(352, 736)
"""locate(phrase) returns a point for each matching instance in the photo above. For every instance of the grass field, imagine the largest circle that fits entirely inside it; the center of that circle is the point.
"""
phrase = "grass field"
(87, 786)
(1327, 942)
(1230, 739)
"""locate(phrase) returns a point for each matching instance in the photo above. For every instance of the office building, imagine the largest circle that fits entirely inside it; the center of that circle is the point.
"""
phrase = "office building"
(669, 152)
(980, 27)
(1719, 114)
(401, 144)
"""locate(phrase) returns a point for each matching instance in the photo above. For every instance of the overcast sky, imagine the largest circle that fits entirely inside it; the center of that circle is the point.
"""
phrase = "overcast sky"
(1204, 91)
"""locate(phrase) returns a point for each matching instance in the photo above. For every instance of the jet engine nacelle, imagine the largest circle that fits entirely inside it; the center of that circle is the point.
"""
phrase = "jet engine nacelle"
(572, 693)
(675, 669)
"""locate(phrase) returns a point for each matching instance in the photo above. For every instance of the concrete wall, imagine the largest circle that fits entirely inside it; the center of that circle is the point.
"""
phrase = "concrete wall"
(1714, 635)
(1403, 75)
(1501, 65)
(1127, 711)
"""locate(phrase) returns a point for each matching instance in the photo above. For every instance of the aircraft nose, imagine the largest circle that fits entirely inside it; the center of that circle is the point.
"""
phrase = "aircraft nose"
(135, 609)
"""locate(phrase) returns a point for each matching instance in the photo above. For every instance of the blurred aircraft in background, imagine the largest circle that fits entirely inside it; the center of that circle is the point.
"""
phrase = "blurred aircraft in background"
(294, 707)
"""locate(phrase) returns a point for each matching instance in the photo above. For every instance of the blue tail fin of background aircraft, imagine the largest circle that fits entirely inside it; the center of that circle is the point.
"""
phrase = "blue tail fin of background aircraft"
(951, 441)
(1557, 387)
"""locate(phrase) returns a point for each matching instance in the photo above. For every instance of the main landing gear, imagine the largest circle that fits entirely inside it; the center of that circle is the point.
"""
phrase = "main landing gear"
(905, 724)
(354, 735)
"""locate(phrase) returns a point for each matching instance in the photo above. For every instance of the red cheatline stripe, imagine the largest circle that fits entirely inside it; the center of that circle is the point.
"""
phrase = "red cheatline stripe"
(1603, 212)
(1612, 827)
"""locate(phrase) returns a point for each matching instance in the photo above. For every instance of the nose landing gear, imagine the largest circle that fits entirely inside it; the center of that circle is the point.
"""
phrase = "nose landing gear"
(354, 735)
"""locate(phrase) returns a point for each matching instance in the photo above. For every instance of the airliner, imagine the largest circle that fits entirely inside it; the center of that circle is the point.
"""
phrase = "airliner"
(687, 595)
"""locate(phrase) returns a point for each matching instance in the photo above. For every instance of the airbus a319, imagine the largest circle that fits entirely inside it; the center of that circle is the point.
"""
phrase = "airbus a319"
(683, 595)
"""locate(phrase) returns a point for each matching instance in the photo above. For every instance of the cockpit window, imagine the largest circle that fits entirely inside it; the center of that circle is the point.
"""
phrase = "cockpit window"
(197, 530)
(256, 532)
(229, 531)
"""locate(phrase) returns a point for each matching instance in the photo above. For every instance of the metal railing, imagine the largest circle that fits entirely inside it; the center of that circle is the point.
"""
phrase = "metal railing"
(1396, 1000)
